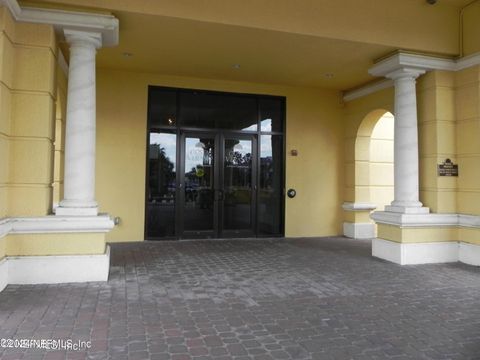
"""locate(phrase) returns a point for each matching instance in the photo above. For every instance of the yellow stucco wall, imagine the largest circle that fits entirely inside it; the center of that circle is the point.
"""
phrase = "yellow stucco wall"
(55, 244)
(59, 140)
(27, 95)
(436, 138)
(429, 29)
(381, 162)
(471, 28)
(3, 241)
(429, 234)
(357, 216)
(417, 235)
(314, 128)
(469, 235)
(467, 99)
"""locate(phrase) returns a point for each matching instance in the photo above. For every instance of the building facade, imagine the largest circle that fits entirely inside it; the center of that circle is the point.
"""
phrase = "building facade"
(139, 120)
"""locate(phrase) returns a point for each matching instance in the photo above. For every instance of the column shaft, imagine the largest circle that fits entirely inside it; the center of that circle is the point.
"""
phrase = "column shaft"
(79, 179)
(406, 179)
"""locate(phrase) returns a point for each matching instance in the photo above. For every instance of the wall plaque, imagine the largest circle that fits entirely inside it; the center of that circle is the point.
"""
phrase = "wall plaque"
(447, 168)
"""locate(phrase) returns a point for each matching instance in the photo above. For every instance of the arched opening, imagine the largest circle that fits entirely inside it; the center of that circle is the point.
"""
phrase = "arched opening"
(374, 163)
(381, 162)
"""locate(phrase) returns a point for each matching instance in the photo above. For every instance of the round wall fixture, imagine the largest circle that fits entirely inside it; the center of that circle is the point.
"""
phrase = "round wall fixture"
(291, 193)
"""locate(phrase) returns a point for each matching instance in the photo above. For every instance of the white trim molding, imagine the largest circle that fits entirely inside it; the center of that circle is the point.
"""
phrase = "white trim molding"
(367, 90)
(467, 61)
(415, 62)
(416, 253)
(58, 269)
(56, 224)
(358, 206)
(359, 230)
(13, 6)
(106, 25)
(403, 60)
(406, 220)
(469, 254)
(54, 269)
(5, 227)
(3, 273)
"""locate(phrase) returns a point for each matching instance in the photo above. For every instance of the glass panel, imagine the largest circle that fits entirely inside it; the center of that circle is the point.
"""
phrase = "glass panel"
(161, 185)
(162, 109)
(270, 190)
(199, 190)
(270, 114)
(237, 184)
(207, 110)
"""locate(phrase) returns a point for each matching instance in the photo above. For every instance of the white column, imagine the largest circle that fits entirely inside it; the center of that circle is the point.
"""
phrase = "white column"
(406, 183)
(79, 178)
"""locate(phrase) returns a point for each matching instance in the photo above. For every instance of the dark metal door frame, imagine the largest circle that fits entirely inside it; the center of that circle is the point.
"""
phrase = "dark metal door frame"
(241, 233)
(218, 230)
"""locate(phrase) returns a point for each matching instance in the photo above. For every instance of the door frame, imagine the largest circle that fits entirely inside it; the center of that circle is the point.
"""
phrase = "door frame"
(180, 233)
(256, 134)
(252, 232)
(218, 231)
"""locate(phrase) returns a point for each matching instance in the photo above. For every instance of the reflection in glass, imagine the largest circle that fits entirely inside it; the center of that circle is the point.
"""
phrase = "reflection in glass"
(198, 189)
(161, 185)
(237, 184)
(270, 190)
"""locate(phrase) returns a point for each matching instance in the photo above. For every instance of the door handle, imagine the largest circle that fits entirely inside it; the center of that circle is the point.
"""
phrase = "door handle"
(219, 195)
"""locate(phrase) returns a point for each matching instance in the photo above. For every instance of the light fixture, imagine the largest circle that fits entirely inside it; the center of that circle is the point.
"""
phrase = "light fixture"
(236, 66)
(127, 54)
(329, 75)
(170, 121)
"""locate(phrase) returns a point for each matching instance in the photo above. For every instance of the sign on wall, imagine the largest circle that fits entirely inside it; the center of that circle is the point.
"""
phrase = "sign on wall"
(447, 168)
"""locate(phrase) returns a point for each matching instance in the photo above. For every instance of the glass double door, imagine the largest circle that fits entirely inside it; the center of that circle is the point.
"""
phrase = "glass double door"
(216, 185)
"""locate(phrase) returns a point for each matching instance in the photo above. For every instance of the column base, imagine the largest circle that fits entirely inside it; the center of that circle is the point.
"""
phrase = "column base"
(58, 269)
(469, 254)
(76, 211)
(407, 209)
(415, 253)
(3, 274)
(77, 208)
(359, 230)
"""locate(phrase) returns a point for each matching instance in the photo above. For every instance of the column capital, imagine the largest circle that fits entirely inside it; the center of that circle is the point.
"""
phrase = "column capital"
(400, 65)
(405, 73)
(88, 38)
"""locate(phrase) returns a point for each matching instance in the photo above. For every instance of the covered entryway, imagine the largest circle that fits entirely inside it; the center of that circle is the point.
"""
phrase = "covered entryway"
(215, 165)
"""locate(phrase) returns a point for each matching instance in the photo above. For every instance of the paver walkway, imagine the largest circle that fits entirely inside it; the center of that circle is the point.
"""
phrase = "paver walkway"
(324, 298)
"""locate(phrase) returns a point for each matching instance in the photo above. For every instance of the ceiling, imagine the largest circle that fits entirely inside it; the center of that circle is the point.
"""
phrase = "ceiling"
(320, 43)
(207, 50)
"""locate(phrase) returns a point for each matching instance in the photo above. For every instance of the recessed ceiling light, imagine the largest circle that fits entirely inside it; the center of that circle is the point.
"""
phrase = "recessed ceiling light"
(329, 75)
(127, 54)
(236, 66)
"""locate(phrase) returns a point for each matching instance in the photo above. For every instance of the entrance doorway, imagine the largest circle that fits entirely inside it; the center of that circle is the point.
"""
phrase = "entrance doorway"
(218, 173)
(215, 167)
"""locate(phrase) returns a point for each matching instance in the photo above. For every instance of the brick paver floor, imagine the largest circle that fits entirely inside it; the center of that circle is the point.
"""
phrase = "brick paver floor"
(323, 298)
